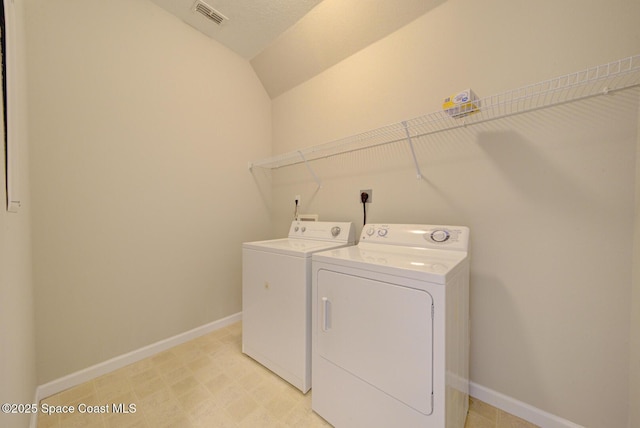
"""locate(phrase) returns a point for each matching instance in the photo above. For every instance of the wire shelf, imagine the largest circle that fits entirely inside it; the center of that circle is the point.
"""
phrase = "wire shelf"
(598, 80)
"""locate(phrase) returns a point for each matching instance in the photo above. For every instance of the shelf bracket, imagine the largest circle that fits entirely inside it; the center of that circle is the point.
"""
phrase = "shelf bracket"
(413, 152)
(313, 174)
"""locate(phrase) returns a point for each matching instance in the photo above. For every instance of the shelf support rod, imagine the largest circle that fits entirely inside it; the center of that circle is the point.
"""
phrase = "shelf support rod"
(313, 174)
(413, 152)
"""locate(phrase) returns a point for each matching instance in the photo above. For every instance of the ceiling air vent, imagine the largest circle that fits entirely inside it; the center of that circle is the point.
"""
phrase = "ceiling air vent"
(209, 12)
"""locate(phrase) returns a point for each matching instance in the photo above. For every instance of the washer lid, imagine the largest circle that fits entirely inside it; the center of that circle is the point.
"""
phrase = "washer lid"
(292, 247)
(423, 264)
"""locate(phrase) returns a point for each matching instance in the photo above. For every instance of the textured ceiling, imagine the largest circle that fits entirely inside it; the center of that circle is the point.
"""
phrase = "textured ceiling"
(290, 41)
(252, 24)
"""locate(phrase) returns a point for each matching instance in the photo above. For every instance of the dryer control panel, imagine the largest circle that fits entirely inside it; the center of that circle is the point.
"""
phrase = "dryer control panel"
(417, 235)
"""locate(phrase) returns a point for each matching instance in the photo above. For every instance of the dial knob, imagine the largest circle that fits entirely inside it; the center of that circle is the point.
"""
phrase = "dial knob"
(296, 228)
(370, 231)
(304, 228)
(382, 232)
(439, 235)
(335, 231)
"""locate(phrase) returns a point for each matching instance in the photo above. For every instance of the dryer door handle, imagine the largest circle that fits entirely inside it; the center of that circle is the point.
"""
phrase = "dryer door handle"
(326, 314)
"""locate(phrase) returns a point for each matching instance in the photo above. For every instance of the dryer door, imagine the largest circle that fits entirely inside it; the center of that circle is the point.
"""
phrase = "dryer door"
(380, 332)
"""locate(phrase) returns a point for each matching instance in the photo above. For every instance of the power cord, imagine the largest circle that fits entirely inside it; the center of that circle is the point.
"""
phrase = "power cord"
(364, 196)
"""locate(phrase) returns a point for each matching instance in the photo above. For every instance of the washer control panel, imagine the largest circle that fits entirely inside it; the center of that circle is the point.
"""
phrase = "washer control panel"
(322, 231)
(417, 235)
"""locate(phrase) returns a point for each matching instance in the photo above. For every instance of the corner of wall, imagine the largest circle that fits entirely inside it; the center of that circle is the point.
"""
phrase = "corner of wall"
(634, 339)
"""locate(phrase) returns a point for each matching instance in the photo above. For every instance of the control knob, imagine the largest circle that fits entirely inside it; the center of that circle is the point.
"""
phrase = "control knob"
(439, 235)
(335, 231)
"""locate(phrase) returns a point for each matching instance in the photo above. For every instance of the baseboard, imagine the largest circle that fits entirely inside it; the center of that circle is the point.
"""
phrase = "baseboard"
(79, 377)
(518, 408)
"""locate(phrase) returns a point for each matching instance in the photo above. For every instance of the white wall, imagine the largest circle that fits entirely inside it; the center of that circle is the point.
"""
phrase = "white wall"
(17, 329)
(634, 368)
(549, 196)
(141, 130)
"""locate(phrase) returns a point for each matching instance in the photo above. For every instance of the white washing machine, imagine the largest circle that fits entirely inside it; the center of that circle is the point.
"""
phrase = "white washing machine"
(276, 297)
(391, 329)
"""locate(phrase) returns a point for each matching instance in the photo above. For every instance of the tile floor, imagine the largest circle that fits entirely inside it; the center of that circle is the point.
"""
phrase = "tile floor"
(207, 382)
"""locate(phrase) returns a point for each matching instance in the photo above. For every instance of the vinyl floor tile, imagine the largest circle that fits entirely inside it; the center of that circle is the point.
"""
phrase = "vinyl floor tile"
(208, 383)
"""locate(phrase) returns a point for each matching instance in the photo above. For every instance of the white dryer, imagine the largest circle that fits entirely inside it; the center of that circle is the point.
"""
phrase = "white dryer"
(391, 329)
(276, 297)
